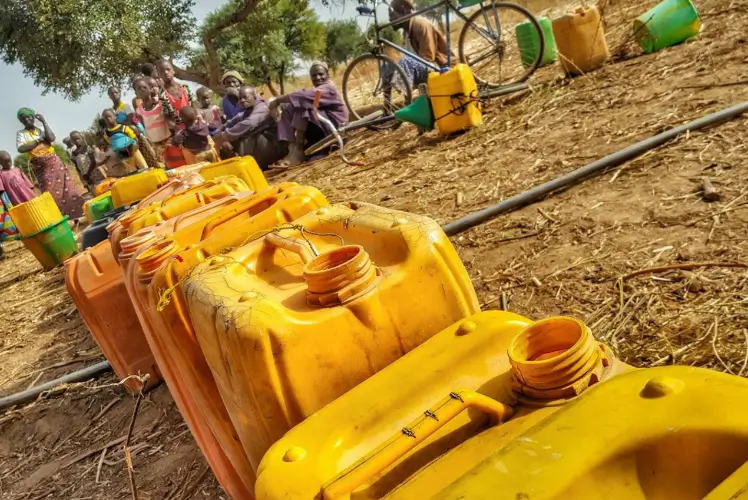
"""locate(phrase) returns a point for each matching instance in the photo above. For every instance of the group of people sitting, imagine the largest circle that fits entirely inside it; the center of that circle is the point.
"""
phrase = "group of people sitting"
(168, 126)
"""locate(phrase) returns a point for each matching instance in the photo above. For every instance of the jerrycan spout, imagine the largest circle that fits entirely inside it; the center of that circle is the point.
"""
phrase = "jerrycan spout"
(556, 359)
(151, 259)
(335, 277)
(339, 276)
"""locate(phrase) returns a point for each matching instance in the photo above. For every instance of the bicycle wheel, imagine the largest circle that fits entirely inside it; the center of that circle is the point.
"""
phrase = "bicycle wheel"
(488, 44)
(374, 82)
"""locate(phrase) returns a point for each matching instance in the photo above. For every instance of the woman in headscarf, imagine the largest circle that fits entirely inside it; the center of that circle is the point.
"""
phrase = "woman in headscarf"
(427, 41)
(52, 175)
(232, 81)
(298, 125)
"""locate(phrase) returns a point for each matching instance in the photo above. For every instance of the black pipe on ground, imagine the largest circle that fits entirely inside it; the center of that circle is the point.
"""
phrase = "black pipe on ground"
(34, 392)
(537, 193)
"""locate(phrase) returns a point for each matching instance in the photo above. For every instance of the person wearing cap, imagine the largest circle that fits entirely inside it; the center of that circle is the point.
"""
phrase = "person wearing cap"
(428, 42)
(298, 125)
(51, 174)
(232, 81)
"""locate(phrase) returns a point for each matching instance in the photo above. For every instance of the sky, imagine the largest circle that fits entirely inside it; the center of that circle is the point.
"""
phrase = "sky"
(64, 116)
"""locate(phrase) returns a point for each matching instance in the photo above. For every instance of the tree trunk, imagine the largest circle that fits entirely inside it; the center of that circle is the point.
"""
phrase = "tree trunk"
(281, 79)
(271, 87)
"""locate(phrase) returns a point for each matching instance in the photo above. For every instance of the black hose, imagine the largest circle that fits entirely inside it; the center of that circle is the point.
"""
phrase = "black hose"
(34, 392)
(502, 91)
(596, 167)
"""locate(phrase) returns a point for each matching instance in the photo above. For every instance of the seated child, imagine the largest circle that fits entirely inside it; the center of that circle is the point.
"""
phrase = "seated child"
(123, 141)
(195, 137)
(210, 112)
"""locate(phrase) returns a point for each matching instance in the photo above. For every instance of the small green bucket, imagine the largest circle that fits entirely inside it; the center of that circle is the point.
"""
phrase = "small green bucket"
(669, 23)
(469, 3)
(53, 245)
(529, 42)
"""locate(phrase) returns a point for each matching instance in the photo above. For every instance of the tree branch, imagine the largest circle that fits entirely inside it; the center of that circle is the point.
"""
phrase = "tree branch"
(214, 66)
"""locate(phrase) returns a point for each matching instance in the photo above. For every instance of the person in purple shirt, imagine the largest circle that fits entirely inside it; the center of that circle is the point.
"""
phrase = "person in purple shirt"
(298, 125)
(231, 80)
(252, 132)
(14, 182)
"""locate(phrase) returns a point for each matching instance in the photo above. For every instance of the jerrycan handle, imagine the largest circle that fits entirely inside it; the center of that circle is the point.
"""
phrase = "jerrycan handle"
(411, 436)
(291, 244)
(251, 203)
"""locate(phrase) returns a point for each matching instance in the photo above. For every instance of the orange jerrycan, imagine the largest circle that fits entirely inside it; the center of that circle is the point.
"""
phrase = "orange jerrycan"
(293, 320)
(405, 433)
(169, 331)
(231, 480)
(243, 167)
(95, 283)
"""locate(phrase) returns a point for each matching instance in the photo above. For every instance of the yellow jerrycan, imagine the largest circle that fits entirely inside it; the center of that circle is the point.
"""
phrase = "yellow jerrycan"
(161, 267)
(454, 98)
(291, 321)
(243, 167)
(421, 423)
(134, 188)
(674, 432)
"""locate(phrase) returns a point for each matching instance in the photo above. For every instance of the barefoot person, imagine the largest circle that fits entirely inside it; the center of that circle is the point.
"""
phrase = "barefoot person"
(298, 124)
(252, 132)
(51, 174)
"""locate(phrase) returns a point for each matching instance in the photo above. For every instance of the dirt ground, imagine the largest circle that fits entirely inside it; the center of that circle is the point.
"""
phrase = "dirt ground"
(574, 253)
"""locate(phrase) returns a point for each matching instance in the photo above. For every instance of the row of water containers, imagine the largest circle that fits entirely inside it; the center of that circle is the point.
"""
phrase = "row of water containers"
(335, 351)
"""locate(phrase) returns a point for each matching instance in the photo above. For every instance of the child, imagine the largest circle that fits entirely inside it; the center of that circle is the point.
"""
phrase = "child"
(174, 96)
(210, 112)
(195, 137)
(157, 126)
(123, 141)
(14, 182)
(121, 109)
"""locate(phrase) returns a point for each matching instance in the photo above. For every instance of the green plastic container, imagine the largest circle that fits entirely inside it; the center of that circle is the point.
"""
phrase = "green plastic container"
(98, 209)
(469, 3)
(670, 22)
(53, 245)
(529, 42)
(418, 112)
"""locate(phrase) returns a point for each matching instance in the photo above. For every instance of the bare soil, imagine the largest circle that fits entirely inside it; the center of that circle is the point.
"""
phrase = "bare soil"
(572, 253)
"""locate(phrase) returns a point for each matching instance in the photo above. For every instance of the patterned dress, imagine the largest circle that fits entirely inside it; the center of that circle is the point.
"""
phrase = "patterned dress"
(51, 174)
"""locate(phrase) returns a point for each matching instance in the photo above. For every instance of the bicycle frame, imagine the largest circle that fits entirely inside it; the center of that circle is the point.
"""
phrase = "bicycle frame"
(448, 6)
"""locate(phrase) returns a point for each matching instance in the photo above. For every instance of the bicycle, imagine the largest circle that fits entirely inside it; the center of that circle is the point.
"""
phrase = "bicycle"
(492, 24)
